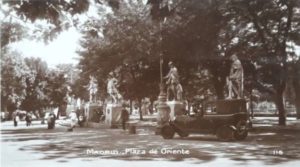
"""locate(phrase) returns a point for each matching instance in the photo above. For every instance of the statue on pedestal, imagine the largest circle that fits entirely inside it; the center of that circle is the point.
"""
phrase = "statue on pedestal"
(93, 88)
(235, 79)
(112, 89)
(174, 88)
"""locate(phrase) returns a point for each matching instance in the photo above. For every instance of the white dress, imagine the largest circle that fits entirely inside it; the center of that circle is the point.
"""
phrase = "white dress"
(73, 118)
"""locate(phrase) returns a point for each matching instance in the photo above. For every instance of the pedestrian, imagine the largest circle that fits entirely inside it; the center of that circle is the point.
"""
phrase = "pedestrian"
(124, 116)
(51, 120)
(28, 119)
(16, 118)
(74, 120)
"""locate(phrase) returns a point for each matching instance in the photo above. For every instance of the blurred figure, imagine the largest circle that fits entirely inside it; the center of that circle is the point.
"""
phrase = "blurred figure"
(124, 116)
(28, 118)
(74, 120)
(16, 118)
(80, 116)
(51, 120)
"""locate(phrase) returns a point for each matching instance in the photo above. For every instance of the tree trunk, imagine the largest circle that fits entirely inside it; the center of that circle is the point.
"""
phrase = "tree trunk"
(130, 105)
(297, 105)
(280, 107)
(251, 104)
(58, 113)
(296, 84)
(140, 109)
(219, 87)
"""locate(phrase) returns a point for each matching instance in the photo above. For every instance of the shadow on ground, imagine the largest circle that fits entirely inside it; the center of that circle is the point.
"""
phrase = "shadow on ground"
(265, 146)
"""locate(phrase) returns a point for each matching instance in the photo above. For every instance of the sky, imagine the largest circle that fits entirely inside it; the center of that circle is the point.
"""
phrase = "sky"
(61, 50)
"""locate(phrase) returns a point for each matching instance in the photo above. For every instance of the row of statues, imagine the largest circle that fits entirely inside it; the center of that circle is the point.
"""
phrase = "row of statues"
(234, 81)
(172, 81)
(112, 90)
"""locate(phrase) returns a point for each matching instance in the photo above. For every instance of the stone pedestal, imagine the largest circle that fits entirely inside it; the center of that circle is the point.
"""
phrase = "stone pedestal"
(91, 113)
(113, 115)
(163, 109)
(176, 108)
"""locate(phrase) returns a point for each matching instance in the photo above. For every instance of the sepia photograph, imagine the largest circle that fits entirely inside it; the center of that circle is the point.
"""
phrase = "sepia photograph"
(164, 83)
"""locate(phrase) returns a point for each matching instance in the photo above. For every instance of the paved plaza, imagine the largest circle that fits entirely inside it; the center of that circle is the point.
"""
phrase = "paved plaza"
(38, 146)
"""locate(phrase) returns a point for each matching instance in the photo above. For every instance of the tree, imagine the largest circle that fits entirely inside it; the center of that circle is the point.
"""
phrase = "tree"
(35, 98)
(296, 85)
(56, 88)
(14, 72)
(10, 32)
(123, 42)
(274, 26)
(58, 13)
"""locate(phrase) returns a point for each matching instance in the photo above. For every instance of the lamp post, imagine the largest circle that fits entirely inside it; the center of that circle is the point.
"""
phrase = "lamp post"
(163, 116)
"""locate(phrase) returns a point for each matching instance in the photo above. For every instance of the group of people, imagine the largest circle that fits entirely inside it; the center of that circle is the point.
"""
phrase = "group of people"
(17, 115)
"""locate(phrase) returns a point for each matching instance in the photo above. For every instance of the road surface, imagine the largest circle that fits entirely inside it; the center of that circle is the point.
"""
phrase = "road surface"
(37, 146)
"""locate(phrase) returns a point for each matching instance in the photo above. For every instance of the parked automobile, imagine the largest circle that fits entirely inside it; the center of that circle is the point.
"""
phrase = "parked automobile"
(227, 119)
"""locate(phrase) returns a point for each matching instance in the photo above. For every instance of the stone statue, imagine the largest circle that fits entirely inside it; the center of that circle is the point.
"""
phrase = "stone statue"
(235, 79)
(93, 88)
(112, 88)
(173, 85)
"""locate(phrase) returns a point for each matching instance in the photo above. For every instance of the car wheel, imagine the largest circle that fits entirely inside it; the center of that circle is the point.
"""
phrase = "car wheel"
(183, 134)
(167, 132)
(180, 132)
(241, 130)
(225, 133)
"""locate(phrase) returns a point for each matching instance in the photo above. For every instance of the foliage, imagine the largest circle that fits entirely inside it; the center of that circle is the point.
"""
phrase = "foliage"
(14, 72)
(198, 36)
(125, 48)
(35, 98)
(56, 89)
(10, 32)
(28, 84)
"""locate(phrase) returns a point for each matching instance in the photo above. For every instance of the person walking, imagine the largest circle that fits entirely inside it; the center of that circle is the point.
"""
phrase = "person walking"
(16, 118)
(74, 120)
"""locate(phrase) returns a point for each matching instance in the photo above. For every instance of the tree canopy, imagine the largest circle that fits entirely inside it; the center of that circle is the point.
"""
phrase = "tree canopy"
(129, 38)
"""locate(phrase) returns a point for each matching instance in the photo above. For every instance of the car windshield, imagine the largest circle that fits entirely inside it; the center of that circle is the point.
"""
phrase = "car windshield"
(210, 108)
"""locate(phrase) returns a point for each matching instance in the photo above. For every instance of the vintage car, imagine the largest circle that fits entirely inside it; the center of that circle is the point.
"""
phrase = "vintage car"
(227, 119)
